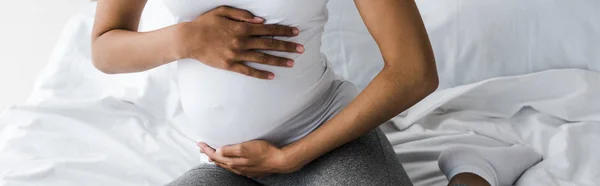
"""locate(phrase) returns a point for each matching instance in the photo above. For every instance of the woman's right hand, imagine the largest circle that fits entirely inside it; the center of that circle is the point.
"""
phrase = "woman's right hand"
(226, 37)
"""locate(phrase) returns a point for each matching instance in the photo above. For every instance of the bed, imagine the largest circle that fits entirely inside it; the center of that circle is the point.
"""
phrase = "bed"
(511, 72)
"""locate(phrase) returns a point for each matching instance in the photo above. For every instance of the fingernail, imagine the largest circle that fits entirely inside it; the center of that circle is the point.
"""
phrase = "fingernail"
(259, 19)
(201, 151)
(300, 48)
(296, 31)
(290, 63)
(271, 76)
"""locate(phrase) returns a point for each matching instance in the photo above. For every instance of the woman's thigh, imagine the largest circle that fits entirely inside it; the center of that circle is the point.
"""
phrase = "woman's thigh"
(211, 175)
(368, 160)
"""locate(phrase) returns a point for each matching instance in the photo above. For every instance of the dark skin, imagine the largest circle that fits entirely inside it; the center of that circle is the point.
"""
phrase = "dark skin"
(226, 37)
(468, 179)
(222, 38)
(409, 74)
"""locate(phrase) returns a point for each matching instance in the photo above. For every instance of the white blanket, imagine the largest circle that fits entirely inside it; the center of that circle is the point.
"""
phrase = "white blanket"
(556, 112)
(82, 127)
(113, 142)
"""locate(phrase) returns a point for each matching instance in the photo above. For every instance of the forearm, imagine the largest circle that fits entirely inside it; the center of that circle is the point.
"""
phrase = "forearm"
(385, 97)
(125, 51)
(408, 76)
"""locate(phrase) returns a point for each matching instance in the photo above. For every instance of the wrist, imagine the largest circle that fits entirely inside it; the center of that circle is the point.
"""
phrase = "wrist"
(179, 40)
(295, 156)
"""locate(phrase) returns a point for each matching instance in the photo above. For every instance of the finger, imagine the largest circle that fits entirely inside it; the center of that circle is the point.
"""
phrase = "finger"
(236, 162)
(232, 151)
(238, 15)
(246, 173)
(209, 151)
(218, 156)
(252, 72)
(229, 168)
(274, 45)
(273, 30)
(203, 146)
(238, 169)
(262, 58)
(214, 157)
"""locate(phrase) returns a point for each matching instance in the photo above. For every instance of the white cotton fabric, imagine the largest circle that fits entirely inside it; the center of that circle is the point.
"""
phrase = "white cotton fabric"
(497, 165)
(474, 40)
(223, 107)
(83, 127)
(556, 113)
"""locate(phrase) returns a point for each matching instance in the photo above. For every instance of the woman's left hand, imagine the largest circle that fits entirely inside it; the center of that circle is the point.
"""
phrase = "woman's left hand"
(254, 159)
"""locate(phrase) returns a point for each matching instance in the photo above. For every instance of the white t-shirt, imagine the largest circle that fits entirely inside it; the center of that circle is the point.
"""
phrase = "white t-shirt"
(223, 107)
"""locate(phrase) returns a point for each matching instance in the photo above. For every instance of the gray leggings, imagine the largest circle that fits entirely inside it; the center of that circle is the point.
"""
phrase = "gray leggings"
(368, 160)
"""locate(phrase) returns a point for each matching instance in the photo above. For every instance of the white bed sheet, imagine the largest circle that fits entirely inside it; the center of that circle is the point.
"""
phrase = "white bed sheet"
(83, 127)
(474, 40)
(112, 142)
(555, 112)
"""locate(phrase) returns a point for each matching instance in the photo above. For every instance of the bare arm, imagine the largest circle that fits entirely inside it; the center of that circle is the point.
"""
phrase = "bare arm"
(408, 76)
(222, 38)
(117, 47)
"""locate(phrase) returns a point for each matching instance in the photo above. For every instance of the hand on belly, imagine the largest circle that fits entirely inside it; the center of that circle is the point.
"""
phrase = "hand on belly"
(225, 108)
(226, 37)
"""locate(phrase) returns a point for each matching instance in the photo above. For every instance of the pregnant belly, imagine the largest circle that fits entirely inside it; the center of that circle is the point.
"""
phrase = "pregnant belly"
(223, 107)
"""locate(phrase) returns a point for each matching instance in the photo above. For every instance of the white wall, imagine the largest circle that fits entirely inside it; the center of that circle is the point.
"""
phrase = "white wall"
(29, 29)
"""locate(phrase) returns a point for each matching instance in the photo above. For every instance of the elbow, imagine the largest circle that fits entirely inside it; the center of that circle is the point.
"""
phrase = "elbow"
(431, 83)
(102, 66)
(98, 59)
(100, 63)
(430, 80)
(429, 77)
(426, 79)
(104, 70)
(422, 79)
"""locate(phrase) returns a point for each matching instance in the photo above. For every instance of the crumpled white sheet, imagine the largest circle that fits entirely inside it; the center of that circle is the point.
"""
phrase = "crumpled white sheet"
(83, 127)
(98, 142)
(112, 142)
(555, 112)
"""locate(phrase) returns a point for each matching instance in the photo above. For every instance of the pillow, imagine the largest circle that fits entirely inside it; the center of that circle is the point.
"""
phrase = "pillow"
(475, 40)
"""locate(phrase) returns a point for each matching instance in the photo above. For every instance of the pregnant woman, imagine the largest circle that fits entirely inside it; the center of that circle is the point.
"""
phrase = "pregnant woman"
(260, 98)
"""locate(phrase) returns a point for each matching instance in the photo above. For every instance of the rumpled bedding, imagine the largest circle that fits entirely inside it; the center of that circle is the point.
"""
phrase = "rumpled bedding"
(82, 127)
(556, 112)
